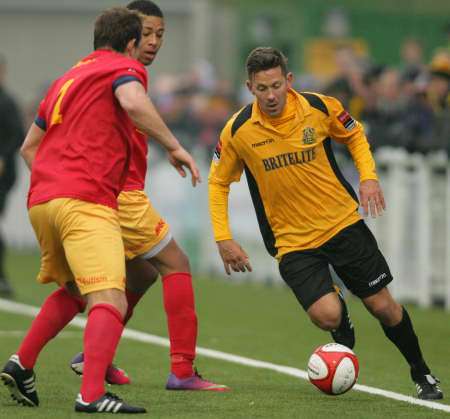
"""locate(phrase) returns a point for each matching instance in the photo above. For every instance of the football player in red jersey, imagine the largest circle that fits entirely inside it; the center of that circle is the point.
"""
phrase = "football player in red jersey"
(150, 248)
(79, 149)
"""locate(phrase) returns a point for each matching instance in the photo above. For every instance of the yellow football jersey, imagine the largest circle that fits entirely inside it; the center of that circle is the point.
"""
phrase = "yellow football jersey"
(300, 197)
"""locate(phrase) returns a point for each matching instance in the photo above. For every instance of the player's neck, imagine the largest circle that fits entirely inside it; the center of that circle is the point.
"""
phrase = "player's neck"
(287, 120)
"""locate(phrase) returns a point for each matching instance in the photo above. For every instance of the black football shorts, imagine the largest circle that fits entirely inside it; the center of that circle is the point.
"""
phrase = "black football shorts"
(354, 255)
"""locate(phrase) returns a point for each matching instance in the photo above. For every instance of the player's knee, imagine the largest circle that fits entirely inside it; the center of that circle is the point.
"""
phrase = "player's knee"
(113, 297)
(326, 312)
(327, 320)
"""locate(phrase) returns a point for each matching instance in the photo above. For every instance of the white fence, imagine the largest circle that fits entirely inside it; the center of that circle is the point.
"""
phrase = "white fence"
(414, 233)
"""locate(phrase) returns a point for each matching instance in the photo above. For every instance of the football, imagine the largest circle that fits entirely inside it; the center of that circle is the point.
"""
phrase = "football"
(333, 368)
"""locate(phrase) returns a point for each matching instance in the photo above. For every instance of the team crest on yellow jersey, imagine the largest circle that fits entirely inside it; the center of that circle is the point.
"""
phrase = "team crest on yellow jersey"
(309, 136)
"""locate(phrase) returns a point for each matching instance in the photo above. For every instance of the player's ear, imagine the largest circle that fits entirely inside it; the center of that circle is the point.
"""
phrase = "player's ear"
(290, 79)
(248, 83)
(131, 47)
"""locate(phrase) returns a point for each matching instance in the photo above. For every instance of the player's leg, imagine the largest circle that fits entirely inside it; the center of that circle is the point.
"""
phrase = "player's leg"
(178, 297)
(55, 313)
(93, 246)
(308, 275)
(147, 237)
(62, 305)
(398, 328)
(364, 270)
(143, 231)
(179, 304)
(141, 275)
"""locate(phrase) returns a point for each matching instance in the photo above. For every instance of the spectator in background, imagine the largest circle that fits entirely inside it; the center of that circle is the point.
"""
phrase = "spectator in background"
(411, 53)
(11, 136)
(347, 85)
(418, 115)
(438, 95)
(383, 111)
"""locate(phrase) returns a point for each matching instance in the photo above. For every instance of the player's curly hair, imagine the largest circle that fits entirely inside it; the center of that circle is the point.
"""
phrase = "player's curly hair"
(116, 27)
(265, 58)
(146, 7)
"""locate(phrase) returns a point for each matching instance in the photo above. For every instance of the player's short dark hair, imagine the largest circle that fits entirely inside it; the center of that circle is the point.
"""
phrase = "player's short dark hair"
(146, 7)
(265, 58)
(116, 27)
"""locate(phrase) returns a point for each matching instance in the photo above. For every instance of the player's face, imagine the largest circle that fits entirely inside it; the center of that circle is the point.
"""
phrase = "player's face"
(270, 89)
(152, 37)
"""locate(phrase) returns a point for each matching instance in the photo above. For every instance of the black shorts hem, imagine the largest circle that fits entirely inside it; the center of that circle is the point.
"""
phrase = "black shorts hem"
(374, 290)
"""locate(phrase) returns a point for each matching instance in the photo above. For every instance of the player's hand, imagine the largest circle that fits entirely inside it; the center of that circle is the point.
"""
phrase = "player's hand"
(234, 256)
(179, 158)
(371, 197)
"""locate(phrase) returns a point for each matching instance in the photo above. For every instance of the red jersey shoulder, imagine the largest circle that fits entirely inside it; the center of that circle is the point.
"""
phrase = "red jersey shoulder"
(125, 66)
(111, 62)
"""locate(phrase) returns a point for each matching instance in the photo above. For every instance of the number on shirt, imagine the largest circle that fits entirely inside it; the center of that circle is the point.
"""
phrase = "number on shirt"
(57, 117)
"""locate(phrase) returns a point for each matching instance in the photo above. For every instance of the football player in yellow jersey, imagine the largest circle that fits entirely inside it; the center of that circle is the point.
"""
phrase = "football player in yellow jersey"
(306, 210)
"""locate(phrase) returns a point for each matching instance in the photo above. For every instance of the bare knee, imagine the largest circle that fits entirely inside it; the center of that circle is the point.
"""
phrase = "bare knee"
(113, 297)
(171, 260)
(326, 312)
(384, 308)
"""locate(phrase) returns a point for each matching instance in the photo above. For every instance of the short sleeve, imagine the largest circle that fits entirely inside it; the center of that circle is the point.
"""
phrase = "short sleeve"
(40, 120)
(135, 72)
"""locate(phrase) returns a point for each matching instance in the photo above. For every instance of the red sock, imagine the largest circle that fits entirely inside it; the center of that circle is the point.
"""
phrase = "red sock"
(179, 304)
(132, 299)
(57, 311)
(101, 337)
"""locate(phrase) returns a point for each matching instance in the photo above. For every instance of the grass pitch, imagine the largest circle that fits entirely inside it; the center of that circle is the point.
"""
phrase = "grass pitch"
(246, 319)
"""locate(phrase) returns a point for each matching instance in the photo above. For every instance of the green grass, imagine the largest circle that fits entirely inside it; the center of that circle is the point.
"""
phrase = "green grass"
(246, 319)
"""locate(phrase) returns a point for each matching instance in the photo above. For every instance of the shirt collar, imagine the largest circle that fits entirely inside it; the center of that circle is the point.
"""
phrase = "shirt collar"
(305, 108)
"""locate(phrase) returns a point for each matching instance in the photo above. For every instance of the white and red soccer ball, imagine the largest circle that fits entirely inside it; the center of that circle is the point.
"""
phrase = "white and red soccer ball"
(333, 368)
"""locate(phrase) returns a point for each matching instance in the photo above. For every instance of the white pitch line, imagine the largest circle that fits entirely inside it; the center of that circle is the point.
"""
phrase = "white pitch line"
(27, 310)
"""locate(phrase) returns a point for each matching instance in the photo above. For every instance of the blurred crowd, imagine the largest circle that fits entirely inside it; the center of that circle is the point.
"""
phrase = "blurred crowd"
(404, 106)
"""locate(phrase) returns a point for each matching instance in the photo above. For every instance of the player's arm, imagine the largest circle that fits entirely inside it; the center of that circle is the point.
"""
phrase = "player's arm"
(225, 169)
(134, 100)
(31, 144)
(346, 130)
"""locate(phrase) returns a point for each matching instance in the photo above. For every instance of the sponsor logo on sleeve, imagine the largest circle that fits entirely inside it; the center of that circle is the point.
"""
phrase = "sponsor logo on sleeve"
(346, 120)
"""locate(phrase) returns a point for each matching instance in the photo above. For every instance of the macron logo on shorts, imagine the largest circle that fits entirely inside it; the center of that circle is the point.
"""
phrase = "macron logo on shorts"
(378, 279)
